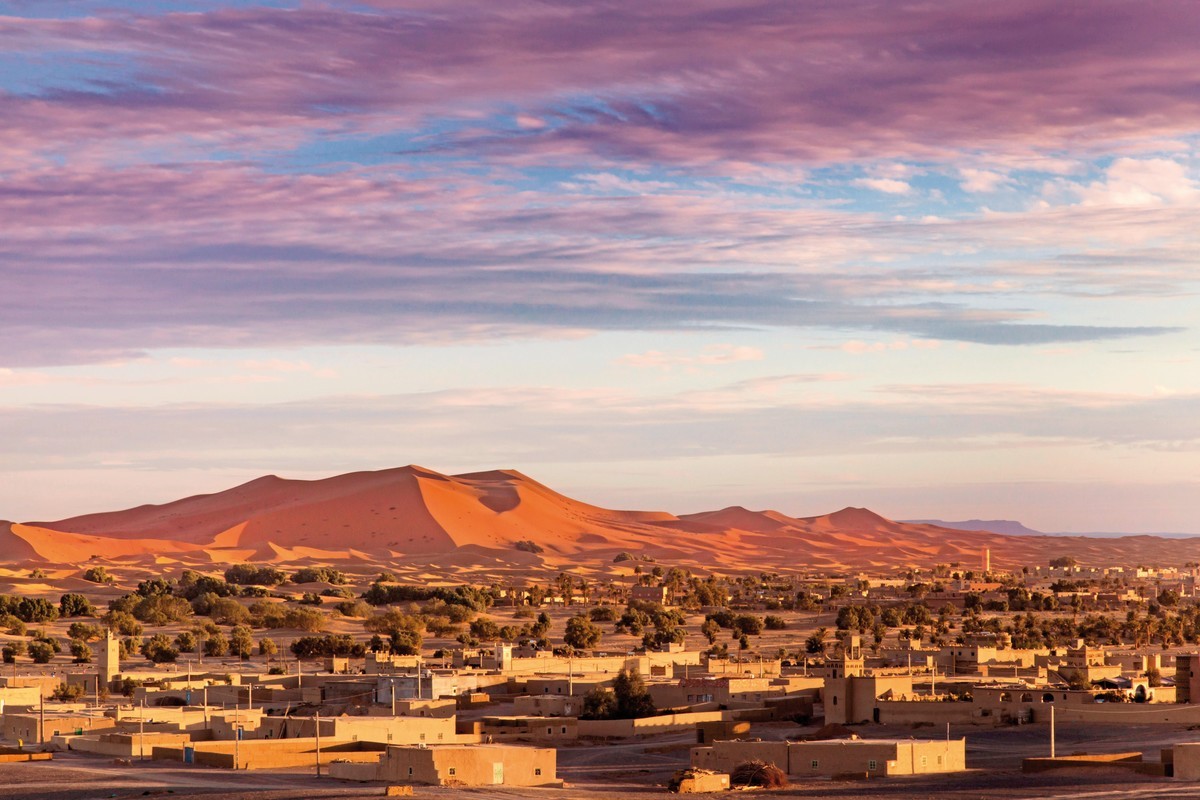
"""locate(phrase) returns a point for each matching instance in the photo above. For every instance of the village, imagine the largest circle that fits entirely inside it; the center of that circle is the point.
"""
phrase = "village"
(665, 682)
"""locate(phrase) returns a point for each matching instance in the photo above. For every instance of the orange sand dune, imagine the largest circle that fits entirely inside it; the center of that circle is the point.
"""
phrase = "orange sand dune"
(60, 547)
(474, 521)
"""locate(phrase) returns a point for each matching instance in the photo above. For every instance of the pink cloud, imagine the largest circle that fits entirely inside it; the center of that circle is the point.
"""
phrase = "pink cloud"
(706, 81)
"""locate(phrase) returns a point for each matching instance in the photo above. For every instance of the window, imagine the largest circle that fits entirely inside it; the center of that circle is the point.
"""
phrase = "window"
(452, 772)
(815, 763)
(410, 770)
(872, 766)
(441, 735)
(422, 737)
(939, 761)
(549, 731)
(564, 729)
(924, 760)
(835, 699)
(537, 771)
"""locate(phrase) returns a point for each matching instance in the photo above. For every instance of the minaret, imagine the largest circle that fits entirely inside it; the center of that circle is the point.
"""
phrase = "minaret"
(987, 560)
(108, 661)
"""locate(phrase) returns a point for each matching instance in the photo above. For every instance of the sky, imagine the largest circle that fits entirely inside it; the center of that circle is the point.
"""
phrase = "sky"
(934, 258)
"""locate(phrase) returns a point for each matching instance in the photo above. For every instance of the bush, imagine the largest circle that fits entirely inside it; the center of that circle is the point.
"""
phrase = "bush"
(250, 575)
(485, 629)
(97, 575)
(29, 609)
(758, 774)
(354, 608)
(41, 652)
(227, 611)
(774, 623)
(123, 623)
(582, 633)
(328, 645)
(159, 649)
(603, 614)
(75, 605)
(319, 575)
(84, 632)
(80, 652)
(68, 692)
(628, 699)
(529, 546)
(240, 641)
(473, 598)
(216, 645)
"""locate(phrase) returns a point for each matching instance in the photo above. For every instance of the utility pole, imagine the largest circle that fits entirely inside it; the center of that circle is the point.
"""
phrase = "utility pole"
(1052, 731)
(142, 731)
(317, 732)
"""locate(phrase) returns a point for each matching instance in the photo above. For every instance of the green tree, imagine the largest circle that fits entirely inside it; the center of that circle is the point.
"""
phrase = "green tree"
(68, 692)
(216, 645)
(80, 651)
(240, 642)
(581, 633)
(75, 605)
(41, 652)
(159, 650)
(632, 697)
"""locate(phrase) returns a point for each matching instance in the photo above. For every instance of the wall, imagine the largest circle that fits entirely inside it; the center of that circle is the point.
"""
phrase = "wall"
(647, 726)
(471, 766)
(1186, 758)
(724, 756)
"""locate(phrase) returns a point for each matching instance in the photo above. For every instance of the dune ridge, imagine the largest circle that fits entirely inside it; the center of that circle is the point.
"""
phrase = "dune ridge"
(504, 517)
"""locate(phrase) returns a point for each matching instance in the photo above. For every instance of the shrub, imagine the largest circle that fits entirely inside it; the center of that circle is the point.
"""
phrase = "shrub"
(758, 774)
(97, 575)
(80, 652)
(41, 652)
(84, 632)
(75, 605)
(216, 645)
(123, 623)
(159, 649)
(603, 614)
(250, 575)
(68, 692)
(327, 645)
(319, 575)
(582, 633)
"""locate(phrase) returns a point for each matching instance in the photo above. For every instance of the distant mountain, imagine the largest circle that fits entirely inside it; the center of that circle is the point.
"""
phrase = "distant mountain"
(1008, 527)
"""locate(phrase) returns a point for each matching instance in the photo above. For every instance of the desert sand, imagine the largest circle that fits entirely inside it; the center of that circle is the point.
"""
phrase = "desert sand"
(437, 524)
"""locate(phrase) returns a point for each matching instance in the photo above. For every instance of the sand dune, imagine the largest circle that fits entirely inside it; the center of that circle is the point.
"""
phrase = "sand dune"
(476, 520)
